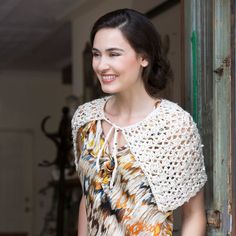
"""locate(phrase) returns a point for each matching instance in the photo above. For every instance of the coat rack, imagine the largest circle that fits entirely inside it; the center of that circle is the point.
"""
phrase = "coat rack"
(63, 142)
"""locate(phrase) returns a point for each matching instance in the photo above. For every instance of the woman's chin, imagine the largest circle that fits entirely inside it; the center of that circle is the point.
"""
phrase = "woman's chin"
(109, 90)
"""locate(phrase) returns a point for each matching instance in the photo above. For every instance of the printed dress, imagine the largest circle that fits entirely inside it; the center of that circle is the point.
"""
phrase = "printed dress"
(128, 208)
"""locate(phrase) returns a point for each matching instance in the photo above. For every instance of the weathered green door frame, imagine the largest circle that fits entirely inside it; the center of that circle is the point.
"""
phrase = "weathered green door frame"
(233, 109)
(222, 114)
(208, 71)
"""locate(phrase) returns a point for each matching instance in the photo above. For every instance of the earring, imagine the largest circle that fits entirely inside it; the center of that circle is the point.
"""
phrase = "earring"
(144, 63)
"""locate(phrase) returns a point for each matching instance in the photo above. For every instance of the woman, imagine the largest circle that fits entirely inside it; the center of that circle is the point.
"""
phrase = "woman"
(138, 156)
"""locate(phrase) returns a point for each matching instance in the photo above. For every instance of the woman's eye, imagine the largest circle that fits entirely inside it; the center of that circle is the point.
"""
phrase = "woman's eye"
(95, 54)
(113, 54)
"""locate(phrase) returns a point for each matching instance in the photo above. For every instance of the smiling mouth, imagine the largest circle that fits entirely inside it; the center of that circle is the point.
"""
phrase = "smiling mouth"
(108, 78)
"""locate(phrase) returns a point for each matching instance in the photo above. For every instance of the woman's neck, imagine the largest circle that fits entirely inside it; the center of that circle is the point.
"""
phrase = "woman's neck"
(128, 105)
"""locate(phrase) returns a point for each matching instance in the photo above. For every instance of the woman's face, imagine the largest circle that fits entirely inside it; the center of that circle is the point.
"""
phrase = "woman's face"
(117, 65)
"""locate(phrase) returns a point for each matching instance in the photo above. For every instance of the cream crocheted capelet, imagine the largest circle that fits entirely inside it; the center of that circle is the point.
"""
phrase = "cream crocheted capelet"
(167, 146)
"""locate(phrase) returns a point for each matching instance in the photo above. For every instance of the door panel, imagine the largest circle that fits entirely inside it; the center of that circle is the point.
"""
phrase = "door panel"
(15, 182)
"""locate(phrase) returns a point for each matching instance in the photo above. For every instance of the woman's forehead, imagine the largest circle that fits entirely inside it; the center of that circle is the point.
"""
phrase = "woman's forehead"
(110, 38)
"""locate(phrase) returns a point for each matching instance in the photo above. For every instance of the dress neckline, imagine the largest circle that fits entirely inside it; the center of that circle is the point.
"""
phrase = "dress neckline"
(103, 137)
(155, 109)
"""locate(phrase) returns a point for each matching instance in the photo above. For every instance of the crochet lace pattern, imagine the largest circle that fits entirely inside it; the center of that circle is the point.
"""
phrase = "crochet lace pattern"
(167, 146)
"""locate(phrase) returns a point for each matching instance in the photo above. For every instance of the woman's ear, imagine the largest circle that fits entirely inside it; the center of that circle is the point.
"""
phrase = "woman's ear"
(143, 61)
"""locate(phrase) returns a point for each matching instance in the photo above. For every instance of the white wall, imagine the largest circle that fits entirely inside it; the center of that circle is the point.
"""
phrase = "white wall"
(26, 97)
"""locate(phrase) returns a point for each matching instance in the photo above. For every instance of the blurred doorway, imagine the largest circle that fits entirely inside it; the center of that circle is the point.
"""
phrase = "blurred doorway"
(16, 182)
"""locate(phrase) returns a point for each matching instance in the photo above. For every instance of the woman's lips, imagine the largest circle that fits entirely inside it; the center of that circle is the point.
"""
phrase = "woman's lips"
(106, 79)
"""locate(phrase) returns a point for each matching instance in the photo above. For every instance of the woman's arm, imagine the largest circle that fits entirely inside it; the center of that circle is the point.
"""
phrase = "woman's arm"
(194, 218)
(82, 221)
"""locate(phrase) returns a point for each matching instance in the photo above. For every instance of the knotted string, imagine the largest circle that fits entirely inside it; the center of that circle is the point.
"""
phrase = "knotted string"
(114, 152)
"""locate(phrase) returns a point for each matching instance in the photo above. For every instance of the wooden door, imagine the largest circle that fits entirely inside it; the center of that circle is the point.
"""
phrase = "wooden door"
(208, 67)
(233, 111)
(16, 182)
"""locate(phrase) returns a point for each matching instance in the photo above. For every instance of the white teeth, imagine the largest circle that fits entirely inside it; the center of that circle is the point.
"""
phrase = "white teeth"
(108, 77)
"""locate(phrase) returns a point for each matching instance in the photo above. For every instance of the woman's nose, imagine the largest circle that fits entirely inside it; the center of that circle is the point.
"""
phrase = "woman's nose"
(103, 64)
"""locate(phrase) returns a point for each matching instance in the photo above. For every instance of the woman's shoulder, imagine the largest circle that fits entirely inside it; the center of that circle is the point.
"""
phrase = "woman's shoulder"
(173, 112)
(173, 108)
(91, 105)
(89, 111)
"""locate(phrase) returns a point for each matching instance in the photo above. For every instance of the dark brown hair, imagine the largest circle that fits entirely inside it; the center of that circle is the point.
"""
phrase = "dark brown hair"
(144, 39)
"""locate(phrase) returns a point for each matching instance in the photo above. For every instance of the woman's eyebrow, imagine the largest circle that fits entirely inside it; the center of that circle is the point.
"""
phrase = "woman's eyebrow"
(108, 49)
(95, 50)
(115, 49)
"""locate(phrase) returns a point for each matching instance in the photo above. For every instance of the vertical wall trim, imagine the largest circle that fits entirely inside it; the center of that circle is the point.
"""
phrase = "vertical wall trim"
(194, 77)
(193, 59)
